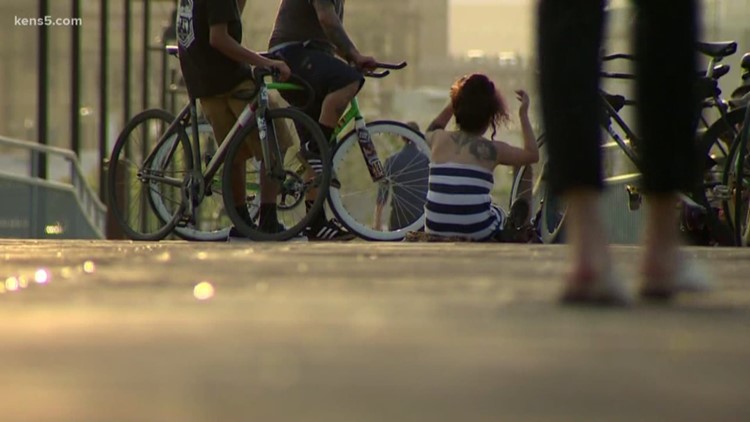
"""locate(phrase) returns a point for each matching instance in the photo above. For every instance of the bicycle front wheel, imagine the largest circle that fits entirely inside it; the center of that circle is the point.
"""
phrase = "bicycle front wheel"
(139, 178)
(210, 221)
(388, 209)
(299, 193)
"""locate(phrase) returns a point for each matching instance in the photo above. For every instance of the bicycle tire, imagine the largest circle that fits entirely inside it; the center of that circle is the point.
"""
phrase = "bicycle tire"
(297, 184)
(353, 198)
(735, 177)
(210, 222)
(530, 184)
(713, 161)
(125, 175)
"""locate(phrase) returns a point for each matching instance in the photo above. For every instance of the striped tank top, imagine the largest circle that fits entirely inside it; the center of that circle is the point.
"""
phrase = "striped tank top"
(459, 202)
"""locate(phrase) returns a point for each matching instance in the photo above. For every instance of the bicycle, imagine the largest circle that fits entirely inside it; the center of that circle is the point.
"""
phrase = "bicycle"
(721, 145)
(549, 210)
(353, 194)
(170, 168)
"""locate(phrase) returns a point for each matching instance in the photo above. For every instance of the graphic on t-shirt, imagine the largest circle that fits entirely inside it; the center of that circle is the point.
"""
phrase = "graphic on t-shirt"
(185, 31)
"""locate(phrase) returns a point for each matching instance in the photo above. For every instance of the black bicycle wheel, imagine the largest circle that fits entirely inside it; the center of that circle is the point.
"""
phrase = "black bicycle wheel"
(713, 151)
(301, 194)
(530, 184)
(139, 182)
(737, 180)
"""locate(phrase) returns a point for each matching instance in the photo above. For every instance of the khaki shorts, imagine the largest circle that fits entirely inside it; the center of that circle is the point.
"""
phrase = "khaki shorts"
(222, 111)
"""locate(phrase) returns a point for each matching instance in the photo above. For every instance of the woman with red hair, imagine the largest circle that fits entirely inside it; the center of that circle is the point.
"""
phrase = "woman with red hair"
(463, 160)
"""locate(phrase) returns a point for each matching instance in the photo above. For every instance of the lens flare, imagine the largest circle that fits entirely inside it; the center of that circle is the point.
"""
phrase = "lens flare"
(89, 267)
(41, 276)
(204, 290)
(12, 284)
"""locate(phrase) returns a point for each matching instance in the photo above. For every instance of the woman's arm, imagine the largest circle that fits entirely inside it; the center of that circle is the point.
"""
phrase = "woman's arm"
(510, 155)
(442, 119)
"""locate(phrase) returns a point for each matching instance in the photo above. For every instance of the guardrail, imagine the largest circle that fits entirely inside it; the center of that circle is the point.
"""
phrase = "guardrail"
(41, 190)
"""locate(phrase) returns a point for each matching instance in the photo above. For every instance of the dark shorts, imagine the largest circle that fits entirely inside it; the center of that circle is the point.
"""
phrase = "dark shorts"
(324, 72)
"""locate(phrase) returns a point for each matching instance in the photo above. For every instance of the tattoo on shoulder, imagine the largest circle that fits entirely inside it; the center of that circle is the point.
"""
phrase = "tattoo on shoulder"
(480, 148)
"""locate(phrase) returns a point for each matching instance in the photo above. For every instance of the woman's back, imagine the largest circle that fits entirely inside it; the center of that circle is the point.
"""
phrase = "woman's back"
(463, 148)
(459, 201)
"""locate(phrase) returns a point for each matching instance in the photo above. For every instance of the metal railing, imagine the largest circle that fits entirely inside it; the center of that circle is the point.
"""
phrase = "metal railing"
(50, 202)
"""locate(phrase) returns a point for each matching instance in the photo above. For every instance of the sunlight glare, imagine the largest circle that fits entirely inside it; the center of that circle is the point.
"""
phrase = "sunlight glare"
(203, 290)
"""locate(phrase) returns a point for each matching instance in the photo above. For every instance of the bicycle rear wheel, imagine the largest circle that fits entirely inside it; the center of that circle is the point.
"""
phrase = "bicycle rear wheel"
(301, 193)
(398, 199)
(136, 178)
(547, 209)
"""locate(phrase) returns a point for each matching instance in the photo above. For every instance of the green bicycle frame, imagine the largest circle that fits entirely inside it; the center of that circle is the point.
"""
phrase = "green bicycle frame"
(370, 154)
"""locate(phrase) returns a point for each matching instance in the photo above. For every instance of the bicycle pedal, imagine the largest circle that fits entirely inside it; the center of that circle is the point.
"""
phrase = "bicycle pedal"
(185, 221)
(634, 198)
(722, 192)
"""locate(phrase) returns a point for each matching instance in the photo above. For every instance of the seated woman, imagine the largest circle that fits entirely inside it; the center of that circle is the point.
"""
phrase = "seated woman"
(461, 173)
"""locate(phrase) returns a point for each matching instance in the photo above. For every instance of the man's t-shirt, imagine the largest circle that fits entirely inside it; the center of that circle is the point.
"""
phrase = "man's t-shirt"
(207, 71)
(297, 21)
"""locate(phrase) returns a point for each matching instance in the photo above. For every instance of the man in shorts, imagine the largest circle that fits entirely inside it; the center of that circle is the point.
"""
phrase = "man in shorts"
(215, 67)
(308, 35)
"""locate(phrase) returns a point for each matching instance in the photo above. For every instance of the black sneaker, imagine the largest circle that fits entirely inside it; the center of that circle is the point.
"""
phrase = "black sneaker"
(312, 158)
(235, 236)
(332, 230)
(519, 213)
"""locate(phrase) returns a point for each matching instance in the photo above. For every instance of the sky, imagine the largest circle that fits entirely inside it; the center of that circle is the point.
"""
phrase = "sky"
(493, 26)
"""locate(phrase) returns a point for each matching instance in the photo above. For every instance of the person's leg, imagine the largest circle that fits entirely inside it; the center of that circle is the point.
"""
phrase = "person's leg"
(269, 187)
(335, 84)
(570, 35)
(220, 115)
(667, 117)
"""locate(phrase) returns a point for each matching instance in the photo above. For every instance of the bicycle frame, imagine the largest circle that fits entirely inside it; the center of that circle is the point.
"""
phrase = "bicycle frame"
(369, 153)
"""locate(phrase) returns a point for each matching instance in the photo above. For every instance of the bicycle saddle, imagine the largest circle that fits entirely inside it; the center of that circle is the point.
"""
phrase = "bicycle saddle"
(720, 71)
(745, 63)
(717, 49)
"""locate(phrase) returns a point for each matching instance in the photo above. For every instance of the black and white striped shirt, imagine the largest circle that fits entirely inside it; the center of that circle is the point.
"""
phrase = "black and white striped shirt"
(459, 202)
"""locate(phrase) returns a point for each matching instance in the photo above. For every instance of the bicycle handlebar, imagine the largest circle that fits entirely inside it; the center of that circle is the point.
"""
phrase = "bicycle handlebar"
(388, 66)
(618, 56)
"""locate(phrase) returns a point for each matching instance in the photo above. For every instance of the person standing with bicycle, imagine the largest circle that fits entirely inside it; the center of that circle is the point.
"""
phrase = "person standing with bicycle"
(570, 35)
(215, 67)
(308, 35)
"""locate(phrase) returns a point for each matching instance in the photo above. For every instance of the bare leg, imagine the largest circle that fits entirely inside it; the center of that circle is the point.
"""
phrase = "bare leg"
(588, 244)
(335, 104)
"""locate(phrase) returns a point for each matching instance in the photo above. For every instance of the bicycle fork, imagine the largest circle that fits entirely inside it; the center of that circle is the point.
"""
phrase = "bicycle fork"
(370, 154)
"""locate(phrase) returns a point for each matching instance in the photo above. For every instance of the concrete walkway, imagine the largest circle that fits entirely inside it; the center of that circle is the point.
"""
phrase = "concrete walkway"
(176, 331)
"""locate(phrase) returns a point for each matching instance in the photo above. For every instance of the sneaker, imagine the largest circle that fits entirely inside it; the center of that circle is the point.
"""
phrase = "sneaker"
(519, 213)
(312, 158)
(235, 236)
(333, 230)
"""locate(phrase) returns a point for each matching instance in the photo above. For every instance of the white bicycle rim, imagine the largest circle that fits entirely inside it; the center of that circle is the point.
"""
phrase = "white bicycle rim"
(349, 150)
